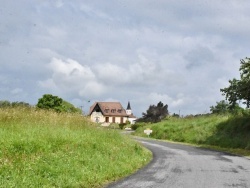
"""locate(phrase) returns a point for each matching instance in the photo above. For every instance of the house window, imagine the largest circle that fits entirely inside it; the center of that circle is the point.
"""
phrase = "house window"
(112, 110)
(119, 110)
(107, 119)
(106, 110)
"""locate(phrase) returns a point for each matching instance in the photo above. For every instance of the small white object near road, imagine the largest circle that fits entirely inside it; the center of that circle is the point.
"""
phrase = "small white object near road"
(148, 131)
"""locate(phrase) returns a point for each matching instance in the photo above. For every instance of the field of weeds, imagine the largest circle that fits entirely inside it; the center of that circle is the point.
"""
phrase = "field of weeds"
(47, 149)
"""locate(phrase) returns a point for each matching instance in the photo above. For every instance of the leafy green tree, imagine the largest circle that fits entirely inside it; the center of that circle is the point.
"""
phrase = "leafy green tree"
(221, 107)
(5, 104)
(49, 101)
(68, 107)
(239, 89)
(175, 115)
(155, 113)
(20, 104)
(13, 104)
(231, 92)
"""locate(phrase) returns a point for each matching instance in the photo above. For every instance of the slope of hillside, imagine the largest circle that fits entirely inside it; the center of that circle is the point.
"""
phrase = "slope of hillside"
(47, 149)
(229, 132)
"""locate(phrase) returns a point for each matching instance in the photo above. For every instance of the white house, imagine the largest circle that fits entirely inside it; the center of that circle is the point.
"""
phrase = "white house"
(111, 112)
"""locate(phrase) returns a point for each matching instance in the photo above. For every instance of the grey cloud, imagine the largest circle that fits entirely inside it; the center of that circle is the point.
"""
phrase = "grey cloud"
(199, 57)
(141, 50)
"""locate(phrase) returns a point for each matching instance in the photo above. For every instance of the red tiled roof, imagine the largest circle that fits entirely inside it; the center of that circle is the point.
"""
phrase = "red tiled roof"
(109, 108)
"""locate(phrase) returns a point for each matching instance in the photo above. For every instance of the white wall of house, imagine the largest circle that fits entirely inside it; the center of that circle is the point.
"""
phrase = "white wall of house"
(117, 119)
(97, 117)
(113, 119)
(132, 120)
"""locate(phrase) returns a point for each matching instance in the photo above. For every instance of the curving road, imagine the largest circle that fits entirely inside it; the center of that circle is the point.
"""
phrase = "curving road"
(176, 165)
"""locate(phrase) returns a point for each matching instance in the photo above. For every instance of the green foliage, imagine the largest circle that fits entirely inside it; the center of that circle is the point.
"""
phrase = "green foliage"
(175, 115)
(155, 113)
(114, 126)
(41, 148)
(20, 104)
(127, 122)
(49, 101)
(234, 133)
(138, 125)
(239, 89)
(221, 107)
(4, 104)
(122, 125)
(68, 107)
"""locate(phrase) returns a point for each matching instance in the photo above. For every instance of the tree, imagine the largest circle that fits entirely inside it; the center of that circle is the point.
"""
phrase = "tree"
(239, 89)
(49, 101)
(4, 104)
(20, 104)
(175, 115)
(220, 108)
(68, 107)
(155, 113)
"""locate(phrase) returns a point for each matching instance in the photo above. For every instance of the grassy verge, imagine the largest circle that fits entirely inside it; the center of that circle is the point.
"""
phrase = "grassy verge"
(227, 133)
(47, 149)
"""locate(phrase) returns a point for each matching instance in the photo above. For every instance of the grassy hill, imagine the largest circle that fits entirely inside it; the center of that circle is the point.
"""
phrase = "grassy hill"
(46, 149)
(219, 131)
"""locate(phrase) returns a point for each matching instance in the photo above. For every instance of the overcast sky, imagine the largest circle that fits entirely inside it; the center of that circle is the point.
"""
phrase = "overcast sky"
(144, 51)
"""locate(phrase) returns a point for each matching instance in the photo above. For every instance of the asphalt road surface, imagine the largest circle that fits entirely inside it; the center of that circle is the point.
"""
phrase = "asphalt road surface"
(176, 165)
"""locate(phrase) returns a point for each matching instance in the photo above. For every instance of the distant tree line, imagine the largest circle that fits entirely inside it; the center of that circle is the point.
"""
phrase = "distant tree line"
(47, 102)
(5, 103)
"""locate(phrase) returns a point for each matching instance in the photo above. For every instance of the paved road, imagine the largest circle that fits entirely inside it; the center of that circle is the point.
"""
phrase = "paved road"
(182, 166)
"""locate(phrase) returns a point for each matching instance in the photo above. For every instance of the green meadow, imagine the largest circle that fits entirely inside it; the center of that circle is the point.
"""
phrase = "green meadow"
(41, 148)
(225, 132)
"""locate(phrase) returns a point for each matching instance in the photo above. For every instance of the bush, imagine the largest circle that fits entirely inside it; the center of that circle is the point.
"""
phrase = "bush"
(56, 103)
(137, 125)
(122, 125)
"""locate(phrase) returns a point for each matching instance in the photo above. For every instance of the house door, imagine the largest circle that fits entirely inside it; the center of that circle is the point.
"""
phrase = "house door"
(113, 120)
(121, 119)
(107, 119)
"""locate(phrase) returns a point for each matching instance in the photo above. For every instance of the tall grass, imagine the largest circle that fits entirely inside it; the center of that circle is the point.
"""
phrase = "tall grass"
(225, 131)
(46, 149)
